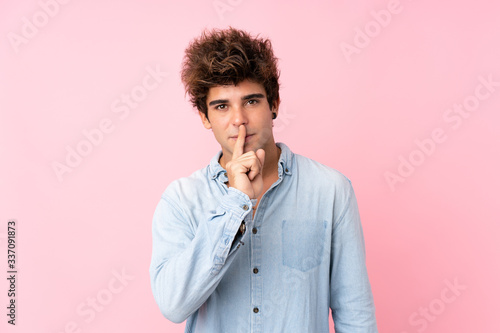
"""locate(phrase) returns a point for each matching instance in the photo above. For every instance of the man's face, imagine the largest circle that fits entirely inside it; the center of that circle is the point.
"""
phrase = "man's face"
(231, 106)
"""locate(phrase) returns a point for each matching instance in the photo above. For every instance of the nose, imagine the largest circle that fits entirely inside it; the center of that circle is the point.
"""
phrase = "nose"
(239, 116)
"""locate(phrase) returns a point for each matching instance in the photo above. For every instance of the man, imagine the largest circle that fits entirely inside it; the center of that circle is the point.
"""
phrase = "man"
(262, 239)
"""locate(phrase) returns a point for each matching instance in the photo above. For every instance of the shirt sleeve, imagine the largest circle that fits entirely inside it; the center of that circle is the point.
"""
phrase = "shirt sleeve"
(351, 298)
(187, 265)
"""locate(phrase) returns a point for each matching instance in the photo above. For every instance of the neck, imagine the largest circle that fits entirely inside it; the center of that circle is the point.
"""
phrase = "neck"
(270, 162)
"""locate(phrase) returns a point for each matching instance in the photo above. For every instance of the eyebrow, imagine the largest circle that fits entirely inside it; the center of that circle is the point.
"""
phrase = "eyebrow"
(252, 96)
(244, 98)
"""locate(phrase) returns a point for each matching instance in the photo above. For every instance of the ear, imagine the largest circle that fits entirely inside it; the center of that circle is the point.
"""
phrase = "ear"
(276, 105)
(204, 120)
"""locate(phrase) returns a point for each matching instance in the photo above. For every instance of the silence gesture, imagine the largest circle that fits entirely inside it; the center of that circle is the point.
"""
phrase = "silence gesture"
(244, 171)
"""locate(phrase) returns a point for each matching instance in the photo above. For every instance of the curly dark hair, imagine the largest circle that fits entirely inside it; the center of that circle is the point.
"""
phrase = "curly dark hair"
(227, 57)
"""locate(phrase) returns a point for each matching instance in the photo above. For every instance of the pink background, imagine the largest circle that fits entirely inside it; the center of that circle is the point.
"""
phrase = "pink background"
(358, 113)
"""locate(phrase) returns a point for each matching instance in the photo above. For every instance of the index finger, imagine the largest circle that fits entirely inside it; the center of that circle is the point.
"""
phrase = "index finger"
(240, 142)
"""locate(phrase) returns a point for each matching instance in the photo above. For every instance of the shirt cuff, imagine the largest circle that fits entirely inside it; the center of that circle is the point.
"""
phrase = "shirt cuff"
(238, 203)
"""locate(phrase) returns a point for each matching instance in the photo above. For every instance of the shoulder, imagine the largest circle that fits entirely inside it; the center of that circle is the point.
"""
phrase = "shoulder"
(187, 187)
(317, 183)
(320, 174)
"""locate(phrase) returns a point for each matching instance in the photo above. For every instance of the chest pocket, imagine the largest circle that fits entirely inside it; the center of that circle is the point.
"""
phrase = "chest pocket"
(303, 243)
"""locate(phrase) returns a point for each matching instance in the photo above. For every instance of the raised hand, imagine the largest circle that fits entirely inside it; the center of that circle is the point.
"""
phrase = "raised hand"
(244, 171)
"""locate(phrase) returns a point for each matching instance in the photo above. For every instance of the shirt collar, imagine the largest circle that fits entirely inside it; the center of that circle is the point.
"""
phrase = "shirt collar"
(285, 164)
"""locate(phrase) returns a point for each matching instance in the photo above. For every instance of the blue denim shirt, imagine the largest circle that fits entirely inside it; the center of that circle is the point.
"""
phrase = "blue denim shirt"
(301, 254)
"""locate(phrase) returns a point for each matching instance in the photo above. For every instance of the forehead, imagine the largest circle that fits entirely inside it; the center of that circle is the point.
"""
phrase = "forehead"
(232, 91)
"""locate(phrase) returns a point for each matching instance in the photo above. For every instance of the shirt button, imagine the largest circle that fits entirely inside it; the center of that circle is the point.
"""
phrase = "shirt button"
(256, 310)
(254, 230)
(245, 207)
(225, 173)
(255, 270)
(286, 170)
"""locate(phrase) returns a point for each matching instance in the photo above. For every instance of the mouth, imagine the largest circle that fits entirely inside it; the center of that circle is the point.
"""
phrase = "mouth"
(246, 137)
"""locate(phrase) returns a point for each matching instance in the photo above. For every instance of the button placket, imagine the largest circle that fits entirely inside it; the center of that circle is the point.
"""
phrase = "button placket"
(256, 262)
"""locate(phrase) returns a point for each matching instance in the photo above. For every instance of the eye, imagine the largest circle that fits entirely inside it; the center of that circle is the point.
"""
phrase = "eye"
(252, 101)
(221, 107)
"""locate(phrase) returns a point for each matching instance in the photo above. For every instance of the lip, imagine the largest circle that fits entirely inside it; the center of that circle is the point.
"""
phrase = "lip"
(246, 137)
